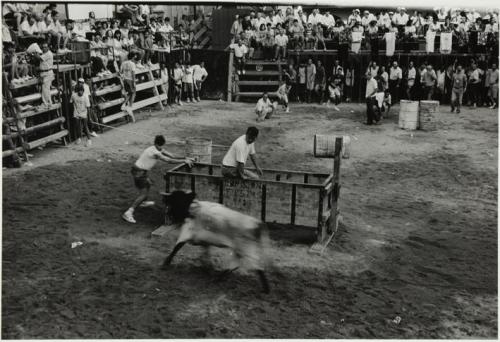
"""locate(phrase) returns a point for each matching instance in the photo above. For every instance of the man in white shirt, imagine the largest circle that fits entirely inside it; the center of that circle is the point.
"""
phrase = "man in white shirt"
(233, 164)
(400, 18)
(239, 56)
(395, 76)
(264, 108)
(412, 74)
(277, 19)
(140, 169)
(199, 76)
(367, 18)
(371, 89)
(281, 41)
(29, 26)
(259, 21)
(314, 17)
(328, 20)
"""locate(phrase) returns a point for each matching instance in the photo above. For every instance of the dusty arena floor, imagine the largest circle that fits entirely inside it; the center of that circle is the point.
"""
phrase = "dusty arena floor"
(418, 239)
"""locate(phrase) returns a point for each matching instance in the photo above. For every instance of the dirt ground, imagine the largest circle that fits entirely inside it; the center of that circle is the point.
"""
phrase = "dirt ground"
(418, 239)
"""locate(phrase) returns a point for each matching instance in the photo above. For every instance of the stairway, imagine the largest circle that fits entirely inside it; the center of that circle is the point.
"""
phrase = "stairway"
(260, 76)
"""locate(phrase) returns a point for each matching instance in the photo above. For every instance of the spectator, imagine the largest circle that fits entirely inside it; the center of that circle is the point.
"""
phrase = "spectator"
(440, 83)
(474, 84)
(127, 73)
(367, 19)
(395, 76)
(239, 56)
(297, 33)
(400, 19)
(320, 82)
(371, 89)
(264, 108)
(302, 78)
(178, 73)
(283, 91)
(187, 82)
(268, 44)
(384, 78)
(46, 60)
(81, 106)
(354, 18)
(459, 81)
(412, 74)
(318, 37)
(430, 79)
(311, 78)
(493, 88)
(334, 95)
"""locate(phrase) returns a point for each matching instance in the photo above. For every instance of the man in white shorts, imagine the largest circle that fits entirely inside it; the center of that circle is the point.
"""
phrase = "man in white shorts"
(140, 170)
(233, 164)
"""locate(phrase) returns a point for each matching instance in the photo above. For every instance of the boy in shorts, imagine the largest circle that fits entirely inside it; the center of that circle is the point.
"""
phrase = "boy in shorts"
(140, 170)
(127, 72)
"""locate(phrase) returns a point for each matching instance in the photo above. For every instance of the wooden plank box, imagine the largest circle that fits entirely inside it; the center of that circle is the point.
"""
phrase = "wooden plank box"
(280, 196)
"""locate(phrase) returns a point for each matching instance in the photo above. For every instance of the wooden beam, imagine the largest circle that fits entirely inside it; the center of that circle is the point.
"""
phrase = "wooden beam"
(230, 75)
(113, 117)
(43, 141)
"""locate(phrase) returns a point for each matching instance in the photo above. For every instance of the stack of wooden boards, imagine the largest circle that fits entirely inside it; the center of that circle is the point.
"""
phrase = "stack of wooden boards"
(28, 123)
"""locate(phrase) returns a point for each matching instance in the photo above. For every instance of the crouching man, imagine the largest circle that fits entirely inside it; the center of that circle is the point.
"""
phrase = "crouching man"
(140, 170)
(264, 108)
(233, 164)
(212, 224)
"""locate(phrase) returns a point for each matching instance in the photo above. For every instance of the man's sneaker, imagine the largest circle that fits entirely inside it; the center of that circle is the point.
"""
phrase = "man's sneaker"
(188, 100)
(94, 134)
(78, 141)
(127, 216)
(146, 204)
(180, 103)
(492, 107)
(124, 106)
(239, 72)
(199, 99)
(243, 71)
(89, 143)
(287, 110)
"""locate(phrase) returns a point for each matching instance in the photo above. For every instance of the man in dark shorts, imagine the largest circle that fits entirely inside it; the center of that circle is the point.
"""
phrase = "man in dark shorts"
(127, 72)
(140, 171)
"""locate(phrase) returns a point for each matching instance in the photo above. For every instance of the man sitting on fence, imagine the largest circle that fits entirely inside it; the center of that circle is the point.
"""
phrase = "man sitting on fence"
(233, 164)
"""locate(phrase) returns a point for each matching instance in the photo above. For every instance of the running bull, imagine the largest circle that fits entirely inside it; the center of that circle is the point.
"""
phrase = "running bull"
(212, 224)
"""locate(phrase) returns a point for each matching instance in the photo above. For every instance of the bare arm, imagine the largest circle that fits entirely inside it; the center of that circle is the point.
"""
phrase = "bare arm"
(253, 157)
(175, 160)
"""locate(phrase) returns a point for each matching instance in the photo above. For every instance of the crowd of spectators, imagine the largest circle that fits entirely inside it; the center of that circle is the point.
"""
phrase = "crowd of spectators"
(133, 29)
(275, 31)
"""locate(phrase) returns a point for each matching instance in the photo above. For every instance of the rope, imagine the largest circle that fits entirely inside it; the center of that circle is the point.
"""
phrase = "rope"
(177, 142)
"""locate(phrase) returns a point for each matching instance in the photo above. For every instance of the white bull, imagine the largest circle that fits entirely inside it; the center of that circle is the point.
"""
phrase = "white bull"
(212, 224)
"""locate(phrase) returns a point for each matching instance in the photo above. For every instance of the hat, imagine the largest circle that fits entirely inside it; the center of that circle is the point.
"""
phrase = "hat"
(356, 10)
(81, 80)
(403, 9)
(364, 12)
(391, 13)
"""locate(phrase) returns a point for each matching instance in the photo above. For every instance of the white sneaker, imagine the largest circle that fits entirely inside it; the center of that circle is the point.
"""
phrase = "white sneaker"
(180, 103)
(124, 106)
(243, 72)
(188, 100)
(199, 99)
(239, 72)
(146, 204)
(127, 216)
(89, 143)
(287, 110)
(78, 141)
(94, 134)
(336, 108)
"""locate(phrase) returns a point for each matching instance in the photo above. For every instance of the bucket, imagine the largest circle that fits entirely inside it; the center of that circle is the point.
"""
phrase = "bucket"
(199, 148)
(324, 146)
(408, 114)
(427, 115)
